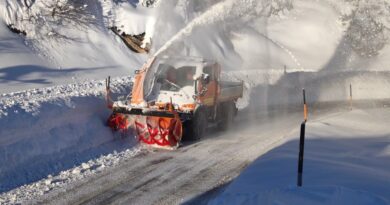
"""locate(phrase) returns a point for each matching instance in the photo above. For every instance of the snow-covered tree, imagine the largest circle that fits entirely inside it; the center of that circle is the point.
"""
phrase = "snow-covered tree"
(369, 25)
(149, 3)
(47, 18)
(279, 6)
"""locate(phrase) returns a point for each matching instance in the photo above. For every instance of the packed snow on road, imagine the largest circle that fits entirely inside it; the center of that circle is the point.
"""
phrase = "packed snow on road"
(71, 135)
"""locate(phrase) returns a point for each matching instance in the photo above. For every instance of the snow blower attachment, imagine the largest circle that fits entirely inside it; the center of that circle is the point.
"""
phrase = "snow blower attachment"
(159, 129)
(173, 96)
(156, 126)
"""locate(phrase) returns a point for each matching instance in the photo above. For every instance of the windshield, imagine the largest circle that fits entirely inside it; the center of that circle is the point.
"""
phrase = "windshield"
(173, 79)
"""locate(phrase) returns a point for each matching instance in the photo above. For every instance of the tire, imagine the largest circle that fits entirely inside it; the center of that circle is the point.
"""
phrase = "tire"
(226, 115)
(195, 128)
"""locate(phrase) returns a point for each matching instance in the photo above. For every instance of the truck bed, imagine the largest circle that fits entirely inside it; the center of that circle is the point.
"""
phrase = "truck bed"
(230, 91)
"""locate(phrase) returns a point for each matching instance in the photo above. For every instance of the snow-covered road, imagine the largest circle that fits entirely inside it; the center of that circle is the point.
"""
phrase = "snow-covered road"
(172, 177)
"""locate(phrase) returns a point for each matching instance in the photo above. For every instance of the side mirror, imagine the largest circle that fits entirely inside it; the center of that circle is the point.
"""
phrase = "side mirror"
(205, 79)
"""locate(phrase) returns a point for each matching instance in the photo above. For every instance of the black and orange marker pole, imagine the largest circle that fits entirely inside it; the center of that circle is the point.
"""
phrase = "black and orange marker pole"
(302, 141)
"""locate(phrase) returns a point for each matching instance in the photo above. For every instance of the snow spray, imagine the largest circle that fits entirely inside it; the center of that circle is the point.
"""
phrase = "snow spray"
(292, 56)
(223, 11)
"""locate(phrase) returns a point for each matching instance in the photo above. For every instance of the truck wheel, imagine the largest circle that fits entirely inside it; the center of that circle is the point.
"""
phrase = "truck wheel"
(194, 129)
(227, 113)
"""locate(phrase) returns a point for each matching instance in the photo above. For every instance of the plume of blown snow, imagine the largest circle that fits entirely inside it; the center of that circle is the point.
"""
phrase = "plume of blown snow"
(224, 12)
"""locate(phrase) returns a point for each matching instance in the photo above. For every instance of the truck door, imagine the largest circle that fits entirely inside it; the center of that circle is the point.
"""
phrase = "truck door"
(210, 96)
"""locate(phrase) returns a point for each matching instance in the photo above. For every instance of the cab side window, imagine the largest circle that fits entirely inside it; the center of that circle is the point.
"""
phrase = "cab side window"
(210, 71)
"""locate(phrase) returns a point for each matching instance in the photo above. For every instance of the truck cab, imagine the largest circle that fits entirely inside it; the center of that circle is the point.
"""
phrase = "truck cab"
(185, 83)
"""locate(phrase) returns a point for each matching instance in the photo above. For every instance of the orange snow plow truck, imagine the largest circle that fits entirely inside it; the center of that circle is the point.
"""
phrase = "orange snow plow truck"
(175, 97)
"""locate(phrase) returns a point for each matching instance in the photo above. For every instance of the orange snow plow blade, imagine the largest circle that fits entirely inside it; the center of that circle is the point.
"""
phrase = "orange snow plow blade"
(159, 131)
(162, 129)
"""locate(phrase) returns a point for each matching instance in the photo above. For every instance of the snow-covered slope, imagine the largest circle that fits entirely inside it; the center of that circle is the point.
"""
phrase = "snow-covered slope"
(44, 57)
(20, 66)
(14, 50)
(312, 36)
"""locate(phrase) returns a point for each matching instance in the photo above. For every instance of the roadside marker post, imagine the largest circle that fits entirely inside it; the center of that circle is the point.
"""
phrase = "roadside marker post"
(350, 96)
(108, 82)
(109, 101)
(301, 150)
(304, 105)
(302, 141)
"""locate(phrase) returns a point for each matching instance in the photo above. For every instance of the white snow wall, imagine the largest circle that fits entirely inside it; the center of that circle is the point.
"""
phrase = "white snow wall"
(277, 89)
(45, 131)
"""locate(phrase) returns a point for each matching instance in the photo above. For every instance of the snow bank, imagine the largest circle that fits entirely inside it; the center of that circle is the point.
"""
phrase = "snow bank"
(346, 162)
(56, 128)
(278, 88)
(29, 192)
